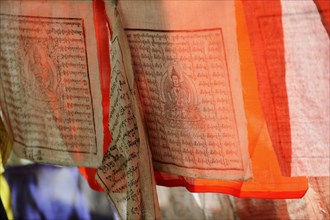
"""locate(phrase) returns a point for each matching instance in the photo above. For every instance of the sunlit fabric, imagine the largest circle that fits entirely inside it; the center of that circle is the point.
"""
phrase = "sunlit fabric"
(290, 48)
(228, 97)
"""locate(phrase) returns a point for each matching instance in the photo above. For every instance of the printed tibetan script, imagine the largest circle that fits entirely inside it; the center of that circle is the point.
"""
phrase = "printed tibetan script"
(184, 88)
(126, 172)
(46, 86)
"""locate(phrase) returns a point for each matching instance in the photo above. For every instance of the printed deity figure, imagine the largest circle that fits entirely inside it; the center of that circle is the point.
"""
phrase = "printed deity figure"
(42, 68)
(178, 95)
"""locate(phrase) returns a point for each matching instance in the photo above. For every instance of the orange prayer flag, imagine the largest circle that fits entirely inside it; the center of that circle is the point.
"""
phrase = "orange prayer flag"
(268, 181)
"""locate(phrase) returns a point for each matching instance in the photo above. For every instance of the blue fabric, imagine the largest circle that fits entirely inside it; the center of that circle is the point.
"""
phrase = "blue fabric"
(46, 192)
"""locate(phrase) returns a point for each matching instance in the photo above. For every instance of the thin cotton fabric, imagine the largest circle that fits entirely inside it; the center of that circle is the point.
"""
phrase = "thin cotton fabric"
(290, 48)
(269, 62)
(268, 181)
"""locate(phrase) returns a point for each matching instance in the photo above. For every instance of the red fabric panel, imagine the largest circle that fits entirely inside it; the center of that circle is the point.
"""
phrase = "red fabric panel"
(264, 28)
(324, 9)
(102, 30)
